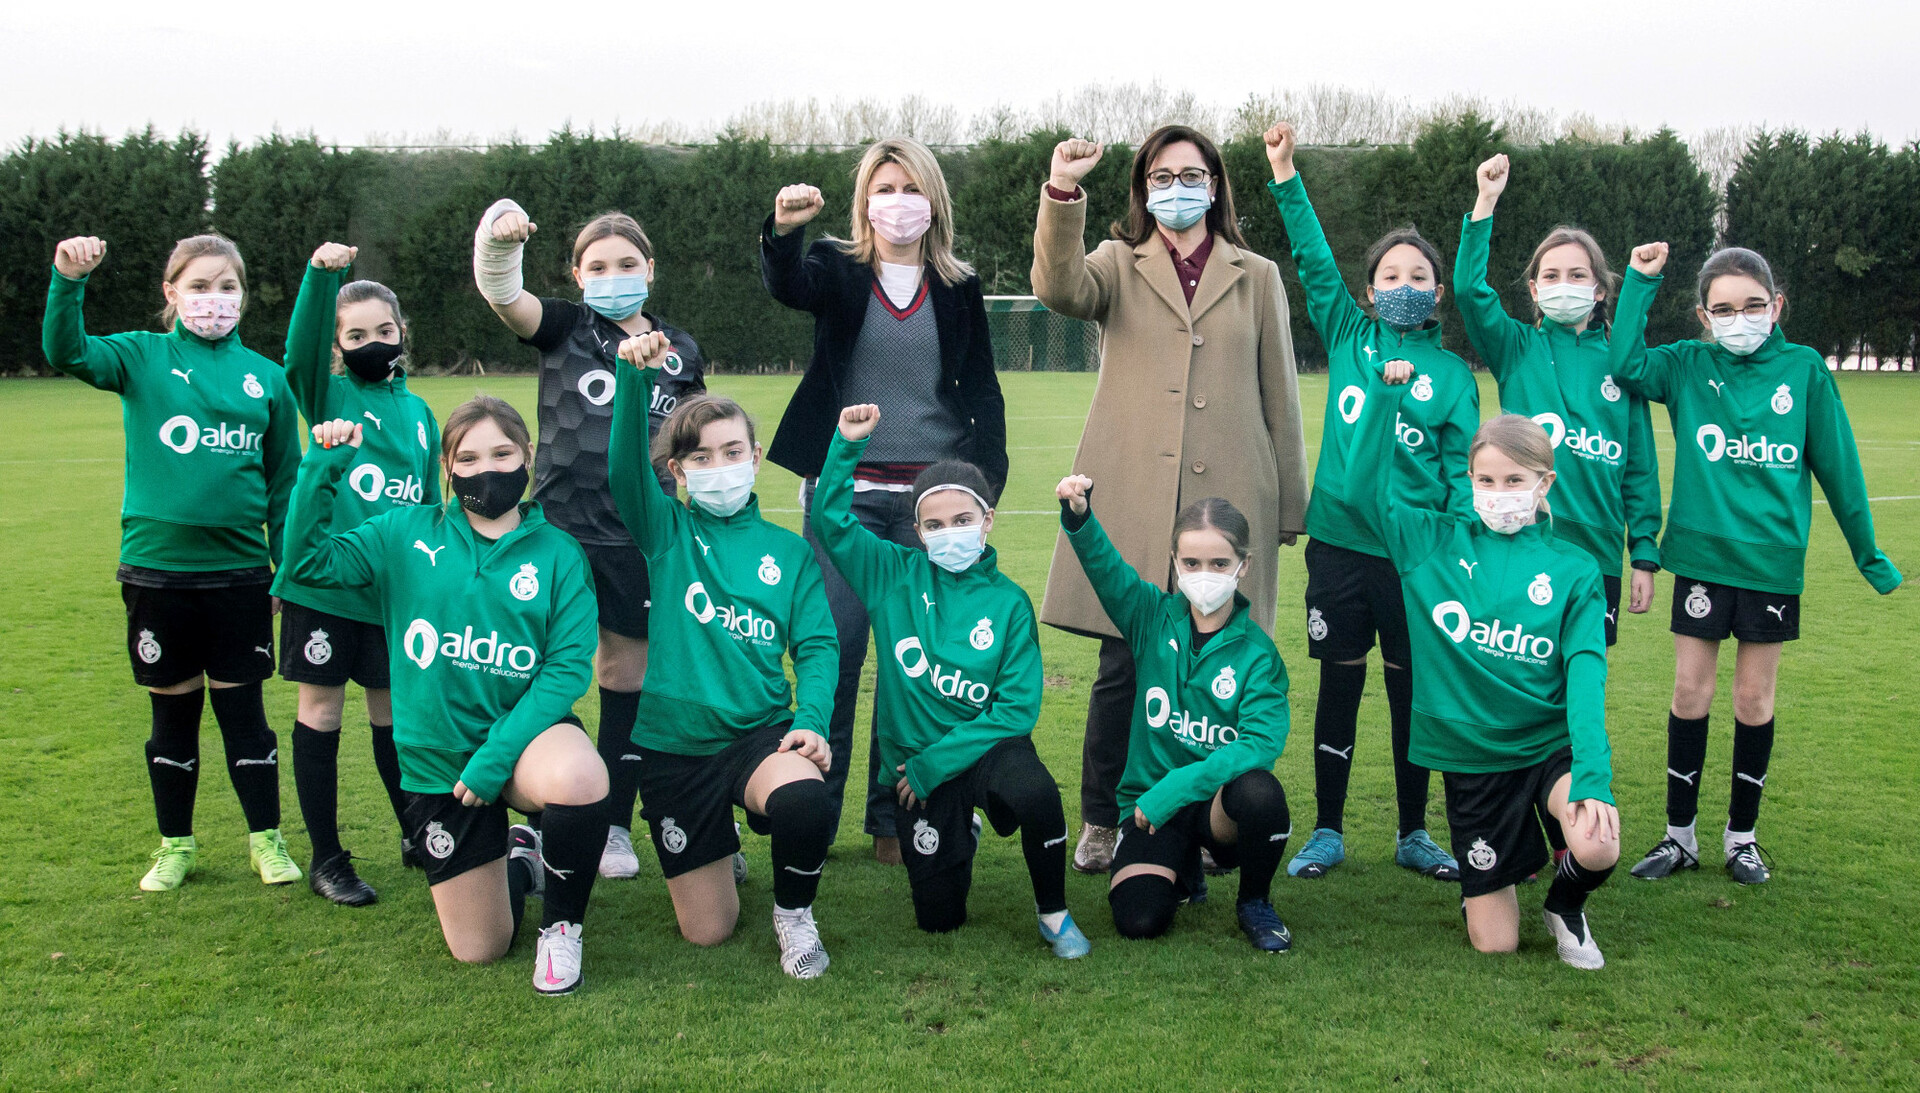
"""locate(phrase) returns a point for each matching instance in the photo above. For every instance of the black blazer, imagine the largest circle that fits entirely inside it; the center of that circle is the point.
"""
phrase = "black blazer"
(831, 286)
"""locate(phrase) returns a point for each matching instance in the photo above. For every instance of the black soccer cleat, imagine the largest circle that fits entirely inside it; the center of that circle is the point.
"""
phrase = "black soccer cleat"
(335, 879)
(1666, 857)
(1262, 925)
(1747, 864)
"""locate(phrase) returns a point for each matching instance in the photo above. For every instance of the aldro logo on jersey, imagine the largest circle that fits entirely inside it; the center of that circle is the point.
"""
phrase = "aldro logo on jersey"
(1511, 643)
(1585, 442)
(947, 681)
(741, 622)
(372, 483)
(1746, 451)
(926, 839)
(318, 650)
(1194, 731)
(424, 643)
(183, 435)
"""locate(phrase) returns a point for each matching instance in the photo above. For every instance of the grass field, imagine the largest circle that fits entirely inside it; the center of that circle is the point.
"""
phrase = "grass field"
(1808, 982)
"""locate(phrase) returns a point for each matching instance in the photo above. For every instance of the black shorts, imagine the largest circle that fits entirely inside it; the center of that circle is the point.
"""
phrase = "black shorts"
(1702, 609)
(1351, 597)
(452, 838)
(176, 634)
(1611, 588)
(621, 588)
(328, 650)
(1496, 833)
(688, 800)
(1174, 845)
(938, 836)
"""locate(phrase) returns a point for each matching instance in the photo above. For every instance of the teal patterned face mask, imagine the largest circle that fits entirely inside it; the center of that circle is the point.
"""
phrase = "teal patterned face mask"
(1404, 307)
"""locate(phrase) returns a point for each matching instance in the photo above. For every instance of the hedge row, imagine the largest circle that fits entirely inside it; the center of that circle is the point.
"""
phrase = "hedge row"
(1828, 215)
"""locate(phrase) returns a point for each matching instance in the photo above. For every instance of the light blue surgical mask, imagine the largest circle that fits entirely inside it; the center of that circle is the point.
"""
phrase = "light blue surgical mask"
(617, 296)
(956, 549)
(1179, 206)
(1404, 307)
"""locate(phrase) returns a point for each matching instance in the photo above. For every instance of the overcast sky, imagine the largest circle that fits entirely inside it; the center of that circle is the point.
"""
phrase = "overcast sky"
(349, 70)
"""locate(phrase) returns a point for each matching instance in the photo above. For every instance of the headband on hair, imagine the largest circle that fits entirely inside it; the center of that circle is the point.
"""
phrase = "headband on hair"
(931, 490)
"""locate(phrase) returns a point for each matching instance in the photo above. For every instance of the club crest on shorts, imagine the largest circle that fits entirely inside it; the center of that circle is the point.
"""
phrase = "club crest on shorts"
(1422, 389)
(525, 584)
(1541, 590)
(982, 636)
(769, 570)
(926, 840)
(1224, 684)
(1697, 604)
(147, 648)
(439, 841)
(1609, 390)
(420, 430)
(318, 651)
(251, 385)
(1782, 399)
(671, 837)
(1481, 856)
(1316, 626)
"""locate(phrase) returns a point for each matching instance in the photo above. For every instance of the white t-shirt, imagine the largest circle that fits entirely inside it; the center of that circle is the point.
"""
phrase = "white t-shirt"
(899, 282)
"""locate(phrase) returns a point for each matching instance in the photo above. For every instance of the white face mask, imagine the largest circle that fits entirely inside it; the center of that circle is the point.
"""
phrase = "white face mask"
(1506, 511)
(1208, 592)
(1740, 335)
(722, 491)
(956, 549)
(1566, 304)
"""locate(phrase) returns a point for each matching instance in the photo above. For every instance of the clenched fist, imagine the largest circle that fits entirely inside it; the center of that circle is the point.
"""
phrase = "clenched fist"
(795, 205)
(79, 256)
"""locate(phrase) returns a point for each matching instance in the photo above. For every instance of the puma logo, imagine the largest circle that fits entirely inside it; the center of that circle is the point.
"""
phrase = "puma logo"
(1613, 615)
(187, 375)
(1778, 612)
(1173, 644)
(368, 414)
(433, 554)
(704, 548)
(272, 760)
(1760, 781)
(926, 600)
(1469, 567)
(804, 872)
(186, 766)
(1054, 842)
(263, 651)
(1348, 754)
(563, 874)
(630, 756)
(1687, 778)
(1278, 836)
(1369, 351)
(1716, 385)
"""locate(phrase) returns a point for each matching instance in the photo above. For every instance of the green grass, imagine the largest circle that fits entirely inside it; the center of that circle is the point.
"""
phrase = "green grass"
(1809, 981)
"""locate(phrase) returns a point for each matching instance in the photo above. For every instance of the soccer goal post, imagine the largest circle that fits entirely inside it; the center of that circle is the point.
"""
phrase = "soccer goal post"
(1029, 338)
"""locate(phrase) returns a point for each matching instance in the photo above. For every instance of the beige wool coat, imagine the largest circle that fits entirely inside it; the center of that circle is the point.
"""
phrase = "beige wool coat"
(1192, 402)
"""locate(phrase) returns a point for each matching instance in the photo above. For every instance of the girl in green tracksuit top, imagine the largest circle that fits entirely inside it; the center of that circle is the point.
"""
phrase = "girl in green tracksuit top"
(1753, 414)
(1557, 371)
(1210, 718)
(212, 443)
(959, 685)
(489, 616)
(719, 726)
(1352, 591)
(1510, 702)
(329, 636)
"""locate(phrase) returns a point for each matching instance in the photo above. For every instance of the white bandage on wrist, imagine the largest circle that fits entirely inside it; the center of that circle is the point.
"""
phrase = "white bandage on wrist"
(496, 264)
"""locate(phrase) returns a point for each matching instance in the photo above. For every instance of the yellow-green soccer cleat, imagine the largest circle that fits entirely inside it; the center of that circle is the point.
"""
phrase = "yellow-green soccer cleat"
(171, 864)
(267, 854)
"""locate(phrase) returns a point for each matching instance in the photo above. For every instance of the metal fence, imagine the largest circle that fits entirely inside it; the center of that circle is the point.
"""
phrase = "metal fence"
(1029, 338)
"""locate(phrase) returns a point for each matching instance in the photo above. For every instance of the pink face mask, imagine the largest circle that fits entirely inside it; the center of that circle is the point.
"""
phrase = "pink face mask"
(900, 218)
(210, 314)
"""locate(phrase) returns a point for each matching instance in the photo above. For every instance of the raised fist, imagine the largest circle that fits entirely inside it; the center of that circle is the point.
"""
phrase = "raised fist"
(1073, 489)
(858, 422)
(645, 350)
(512, 226)
(795, 205)
(332, 434)
(1072, 159)
(334, 257)
(1650, 258)
(79, 256)
(1280, 145)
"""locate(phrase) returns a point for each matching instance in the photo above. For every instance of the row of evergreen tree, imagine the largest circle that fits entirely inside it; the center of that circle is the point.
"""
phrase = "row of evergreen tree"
(1835, 216)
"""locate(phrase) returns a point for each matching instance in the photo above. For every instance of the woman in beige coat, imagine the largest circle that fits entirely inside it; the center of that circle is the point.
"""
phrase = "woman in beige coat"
(1197, 398)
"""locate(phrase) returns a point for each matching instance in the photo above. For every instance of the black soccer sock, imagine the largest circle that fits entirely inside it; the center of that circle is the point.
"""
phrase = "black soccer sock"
(173, 760)
(1024, 788)
(386, 760)
(1410, 780)
(1143, 906)
(253, 753)
(1335, 727)
(800, 822)
(570, 844)
(1686, 758)
(617, 712)
(519, 883)
(1572, 884)
(1256, 803)
(316, 780)
(1752, 750)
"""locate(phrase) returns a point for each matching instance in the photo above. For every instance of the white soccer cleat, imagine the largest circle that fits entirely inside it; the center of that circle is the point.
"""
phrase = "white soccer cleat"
(556, 964)
(1576, 942)
(619, 861)
(801, 954)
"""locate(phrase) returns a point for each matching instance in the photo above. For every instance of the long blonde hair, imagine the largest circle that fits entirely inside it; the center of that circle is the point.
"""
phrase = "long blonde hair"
(1519, 438)
(917, 160)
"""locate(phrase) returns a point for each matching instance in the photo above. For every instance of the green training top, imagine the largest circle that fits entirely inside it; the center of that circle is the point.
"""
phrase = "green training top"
(731, 595)
(213, 442)
(1436, 425)
(398, 458)
(1746, 431)
(1509, 631)
(959, 666)
(1607, 471)
(490, 643)
(1200, 719)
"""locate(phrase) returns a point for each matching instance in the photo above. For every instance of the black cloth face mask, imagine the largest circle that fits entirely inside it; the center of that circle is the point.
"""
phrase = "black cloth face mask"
(373, 361)
(489, 494)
